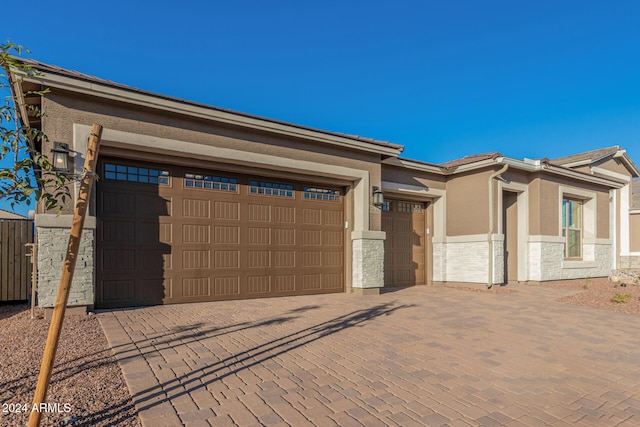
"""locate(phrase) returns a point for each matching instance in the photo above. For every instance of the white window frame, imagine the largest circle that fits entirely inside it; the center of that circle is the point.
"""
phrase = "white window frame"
(569, 225)
(589, 220)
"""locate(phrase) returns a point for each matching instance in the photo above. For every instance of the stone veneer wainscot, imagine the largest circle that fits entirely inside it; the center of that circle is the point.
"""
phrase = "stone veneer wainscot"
(53, 238)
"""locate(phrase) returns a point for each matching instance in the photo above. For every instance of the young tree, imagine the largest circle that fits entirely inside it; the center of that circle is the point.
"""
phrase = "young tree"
(25, 172)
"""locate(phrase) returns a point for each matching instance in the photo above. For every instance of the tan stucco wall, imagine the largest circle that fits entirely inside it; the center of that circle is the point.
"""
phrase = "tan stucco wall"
(412, 177)
(603, 206)
(634, 238)
(536, 215)
(583, 168)
(614, 165)
(547, 220)
(468, 203)
(62, 109)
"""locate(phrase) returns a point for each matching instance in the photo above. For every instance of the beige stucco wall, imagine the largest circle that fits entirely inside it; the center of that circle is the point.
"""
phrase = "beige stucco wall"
(545, 205)
(412, 177)
(634, 225)
(468, 203)
(63, 109)
(613, 165)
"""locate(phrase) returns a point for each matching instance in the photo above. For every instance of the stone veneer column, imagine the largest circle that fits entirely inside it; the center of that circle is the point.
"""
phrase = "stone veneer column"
(53, 239)
(368, 261)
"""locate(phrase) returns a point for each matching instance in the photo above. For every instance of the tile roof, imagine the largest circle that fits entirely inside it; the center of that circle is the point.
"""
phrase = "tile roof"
(592, 156)
(473, 158)
(54, 69)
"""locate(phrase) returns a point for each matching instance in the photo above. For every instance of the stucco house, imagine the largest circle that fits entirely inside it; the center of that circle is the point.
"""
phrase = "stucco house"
(633, 256)
(199, 203)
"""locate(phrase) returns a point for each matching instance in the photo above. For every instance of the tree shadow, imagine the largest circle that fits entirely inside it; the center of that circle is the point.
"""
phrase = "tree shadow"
(243, 360)
(180, 336)
(201, 378)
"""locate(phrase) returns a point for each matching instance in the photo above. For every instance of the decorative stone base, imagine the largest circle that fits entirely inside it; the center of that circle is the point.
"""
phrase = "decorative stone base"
(465, 259)
(53, 238)
(368, 260)
(630, 262)
(547, 262)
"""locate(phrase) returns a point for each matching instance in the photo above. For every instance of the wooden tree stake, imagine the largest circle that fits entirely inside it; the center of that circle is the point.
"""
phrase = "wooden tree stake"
(68, 268)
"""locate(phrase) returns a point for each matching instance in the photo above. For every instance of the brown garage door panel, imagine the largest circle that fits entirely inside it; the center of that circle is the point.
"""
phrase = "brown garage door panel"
(404, 247)
(207, 237)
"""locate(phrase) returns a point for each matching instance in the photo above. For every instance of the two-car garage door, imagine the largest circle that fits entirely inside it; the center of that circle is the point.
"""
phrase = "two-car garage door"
(170, 234)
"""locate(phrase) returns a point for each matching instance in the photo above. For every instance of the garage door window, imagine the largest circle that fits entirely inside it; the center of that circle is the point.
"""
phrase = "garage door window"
(211, 182)
(314, 193)
(407, 207)
(270, 189)
(135, 174)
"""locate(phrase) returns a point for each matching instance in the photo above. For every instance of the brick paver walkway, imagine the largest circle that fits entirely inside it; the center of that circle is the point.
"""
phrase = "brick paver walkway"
(424, 356)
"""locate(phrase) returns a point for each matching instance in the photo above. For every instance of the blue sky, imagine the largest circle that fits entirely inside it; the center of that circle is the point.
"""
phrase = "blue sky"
(445, 79)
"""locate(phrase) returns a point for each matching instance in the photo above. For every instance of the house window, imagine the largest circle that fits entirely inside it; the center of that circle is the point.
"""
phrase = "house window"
(270, 189)
(387, 206)
(321, 194)
(572, 228)
(135, 174)
(211, 182)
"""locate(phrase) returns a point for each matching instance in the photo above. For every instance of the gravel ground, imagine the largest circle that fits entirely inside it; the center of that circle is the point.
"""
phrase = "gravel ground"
(86, 376)
(605, 295)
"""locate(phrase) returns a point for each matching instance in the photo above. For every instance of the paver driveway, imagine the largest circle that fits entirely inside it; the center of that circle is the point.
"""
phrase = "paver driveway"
(425, 356)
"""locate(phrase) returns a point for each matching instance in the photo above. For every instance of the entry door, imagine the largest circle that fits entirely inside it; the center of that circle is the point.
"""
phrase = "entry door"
(510, 229)
(404, 249)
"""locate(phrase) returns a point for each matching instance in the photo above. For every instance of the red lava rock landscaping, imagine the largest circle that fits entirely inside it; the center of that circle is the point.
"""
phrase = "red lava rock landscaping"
(87, 387)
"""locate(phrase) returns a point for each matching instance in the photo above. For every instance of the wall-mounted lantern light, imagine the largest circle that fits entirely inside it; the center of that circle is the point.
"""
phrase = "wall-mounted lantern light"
(61, 156)
(378, 197)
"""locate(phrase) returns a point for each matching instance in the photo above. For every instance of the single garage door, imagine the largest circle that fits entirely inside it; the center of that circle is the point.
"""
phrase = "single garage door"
(171, 234)
(404, 247)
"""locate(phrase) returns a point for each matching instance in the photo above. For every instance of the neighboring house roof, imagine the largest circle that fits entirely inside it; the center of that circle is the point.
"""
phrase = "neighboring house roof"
(595, 156)
(10, 215)
(635, 194)
(94, 85)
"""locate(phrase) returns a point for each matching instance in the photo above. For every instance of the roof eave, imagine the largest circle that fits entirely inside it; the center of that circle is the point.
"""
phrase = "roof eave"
(624, 157)
(559, 170)
(414, 165)
(52, 80)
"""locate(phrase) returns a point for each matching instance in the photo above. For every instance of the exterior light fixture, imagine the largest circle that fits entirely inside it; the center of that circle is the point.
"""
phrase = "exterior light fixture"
(378, 197)
(61, 156)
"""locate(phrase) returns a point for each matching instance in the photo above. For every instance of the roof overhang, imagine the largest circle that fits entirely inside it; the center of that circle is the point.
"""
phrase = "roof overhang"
(414, 165)
(526, 165)
(546, 167)
(624, 158)
(155, 101)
